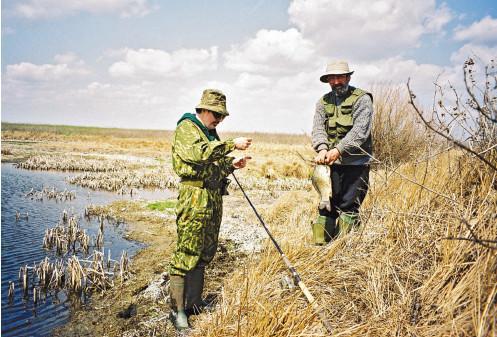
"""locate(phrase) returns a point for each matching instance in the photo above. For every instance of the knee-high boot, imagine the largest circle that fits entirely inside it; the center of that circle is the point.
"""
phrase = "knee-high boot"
(194, 286)
(177, 293)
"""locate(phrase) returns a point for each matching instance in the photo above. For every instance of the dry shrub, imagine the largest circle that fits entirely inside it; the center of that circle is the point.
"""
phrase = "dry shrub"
(413, 270)
(397, 134)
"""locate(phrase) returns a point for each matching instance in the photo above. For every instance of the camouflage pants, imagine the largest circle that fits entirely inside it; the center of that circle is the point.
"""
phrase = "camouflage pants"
(198, 217)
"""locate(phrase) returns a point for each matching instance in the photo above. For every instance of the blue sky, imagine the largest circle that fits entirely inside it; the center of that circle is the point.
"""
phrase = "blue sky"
(142, 63)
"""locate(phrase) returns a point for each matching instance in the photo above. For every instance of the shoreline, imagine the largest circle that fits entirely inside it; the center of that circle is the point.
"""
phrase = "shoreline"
(126, 309)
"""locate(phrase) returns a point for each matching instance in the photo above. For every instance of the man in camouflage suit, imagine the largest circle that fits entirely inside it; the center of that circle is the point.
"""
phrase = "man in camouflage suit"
(341, 135)
(201, 160)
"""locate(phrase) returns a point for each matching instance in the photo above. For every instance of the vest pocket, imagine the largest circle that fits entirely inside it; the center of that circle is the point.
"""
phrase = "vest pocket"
(343, 125)
(329, 110)
(346, 109)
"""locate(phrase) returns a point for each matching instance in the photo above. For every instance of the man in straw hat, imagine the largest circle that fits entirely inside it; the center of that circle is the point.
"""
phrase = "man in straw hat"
(341, 136)
(202, 162)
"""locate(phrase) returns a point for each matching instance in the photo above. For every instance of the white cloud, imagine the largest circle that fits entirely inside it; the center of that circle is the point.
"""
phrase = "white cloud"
(367, 30)
(435, 21)
(34, 9)
(397, 70)
(67, 58)
(272, 52)
(484, 30)
(250, 81)
(154, 63)
(66, 66)
(482, 54)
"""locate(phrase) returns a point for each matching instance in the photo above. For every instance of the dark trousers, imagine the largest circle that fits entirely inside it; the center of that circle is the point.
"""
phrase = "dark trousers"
(349, 186)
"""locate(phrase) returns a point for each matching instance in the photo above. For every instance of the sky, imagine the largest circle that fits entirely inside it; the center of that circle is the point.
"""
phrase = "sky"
(143, 63)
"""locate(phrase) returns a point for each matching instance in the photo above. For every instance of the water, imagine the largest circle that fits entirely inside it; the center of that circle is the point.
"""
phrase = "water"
(22, 243)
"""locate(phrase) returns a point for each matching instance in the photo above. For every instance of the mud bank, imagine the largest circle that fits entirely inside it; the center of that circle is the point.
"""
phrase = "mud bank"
(139, 306)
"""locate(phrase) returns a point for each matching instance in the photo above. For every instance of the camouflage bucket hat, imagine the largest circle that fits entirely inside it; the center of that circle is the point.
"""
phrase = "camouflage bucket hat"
(338, 67)
(213, 100)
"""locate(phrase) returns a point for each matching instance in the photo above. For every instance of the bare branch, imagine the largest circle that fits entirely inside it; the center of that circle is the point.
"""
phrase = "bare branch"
(450, 139)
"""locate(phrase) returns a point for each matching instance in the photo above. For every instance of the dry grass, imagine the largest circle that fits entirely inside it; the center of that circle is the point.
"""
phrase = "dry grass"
(397, 132)
(399, 276)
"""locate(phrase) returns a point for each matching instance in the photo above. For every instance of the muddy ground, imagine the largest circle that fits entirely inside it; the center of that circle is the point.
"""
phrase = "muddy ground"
(139, 306)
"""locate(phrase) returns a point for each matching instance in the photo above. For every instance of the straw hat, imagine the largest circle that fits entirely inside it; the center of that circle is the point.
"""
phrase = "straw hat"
(337, 67)
(213, 100)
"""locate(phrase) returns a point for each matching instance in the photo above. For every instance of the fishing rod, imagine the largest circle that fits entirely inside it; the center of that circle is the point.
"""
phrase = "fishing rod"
(293, 271)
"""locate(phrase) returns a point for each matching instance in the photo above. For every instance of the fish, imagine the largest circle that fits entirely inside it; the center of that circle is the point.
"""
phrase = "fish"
(321, 181)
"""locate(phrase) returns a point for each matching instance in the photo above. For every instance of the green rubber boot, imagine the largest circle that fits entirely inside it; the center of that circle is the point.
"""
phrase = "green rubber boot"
(330, 229)
(177, 290)
(318, 230)
(346, 221)
(194, 286)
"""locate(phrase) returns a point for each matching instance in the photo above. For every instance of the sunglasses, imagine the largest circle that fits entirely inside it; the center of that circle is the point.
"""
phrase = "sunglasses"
(217, 115)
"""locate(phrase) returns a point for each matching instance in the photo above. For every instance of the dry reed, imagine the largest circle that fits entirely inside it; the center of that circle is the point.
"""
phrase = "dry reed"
(413, 269)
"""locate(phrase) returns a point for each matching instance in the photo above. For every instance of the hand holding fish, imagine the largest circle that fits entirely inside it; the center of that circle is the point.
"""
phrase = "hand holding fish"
(321, 156)
(331, 156)
(327, 157)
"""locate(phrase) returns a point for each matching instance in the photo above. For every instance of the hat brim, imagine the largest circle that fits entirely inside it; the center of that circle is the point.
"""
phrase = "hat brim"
(324, 77)
(213, 108)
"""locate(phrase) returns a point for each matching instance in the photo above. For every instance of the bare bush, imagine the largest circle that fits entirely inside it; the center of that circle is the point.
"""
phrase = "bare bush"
(468, 120)
(397, 134)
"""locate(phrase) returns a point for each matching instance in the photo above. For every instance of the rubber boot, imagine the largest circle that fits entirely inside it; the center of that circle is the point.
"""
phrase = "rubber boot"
(346, 221)
(176, 290)
(194, 286)
(330, 229)
(318, 230)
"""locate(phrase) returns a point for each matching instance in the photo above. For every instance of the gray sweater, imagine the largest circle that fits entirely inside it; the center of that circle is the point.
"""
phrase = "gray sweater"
(362, 115)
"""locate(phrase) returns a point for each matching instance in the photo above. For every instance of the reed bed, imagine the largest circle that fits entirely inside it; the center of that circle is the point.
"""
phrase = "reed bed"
(161, 178)
(73, 163)
(51, 193)
(124, 181)
(68, 237)
(74, 274)
(416, 268)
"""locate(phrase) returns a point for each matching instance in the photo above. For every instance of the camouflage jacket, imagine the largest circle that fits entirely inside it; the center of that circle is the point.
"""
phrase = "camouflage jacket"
(195, 157)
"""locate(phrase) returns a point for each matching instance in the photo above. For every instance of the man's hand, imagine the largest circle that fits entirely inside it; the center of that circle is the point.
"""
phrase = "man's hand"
(320, 157)
(242, 143)
(241, 162)
(331, 156)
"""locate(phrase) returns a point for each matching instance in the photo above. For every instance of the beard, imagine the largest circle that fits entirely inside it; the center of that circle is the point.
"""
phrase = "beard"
(341, 90)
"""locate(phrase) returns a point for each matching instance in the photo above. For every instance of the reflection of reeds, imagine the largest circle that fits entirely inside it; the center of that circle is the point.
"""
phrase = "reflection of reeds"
(99, 241)
(11, 291)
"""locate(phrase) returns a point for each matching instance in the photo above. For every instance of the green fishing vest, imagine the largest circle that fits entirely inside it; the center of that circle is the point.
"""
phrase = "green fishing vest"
(339, 119)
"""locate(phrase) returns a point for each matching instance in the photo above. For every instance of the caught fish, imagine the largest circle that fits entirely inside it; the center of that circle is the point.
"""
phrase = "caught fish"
(322, 183)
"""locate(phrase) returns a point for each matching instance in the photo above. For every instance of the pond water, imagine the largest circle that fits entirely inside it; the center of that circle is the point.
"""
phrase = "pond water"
(22, 242)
